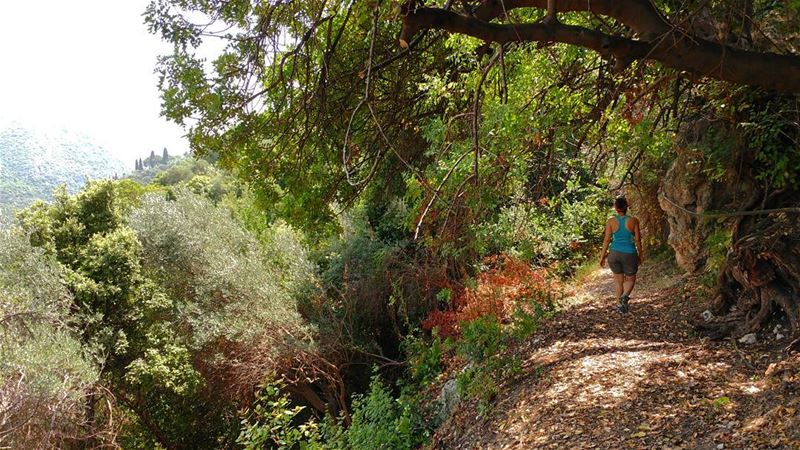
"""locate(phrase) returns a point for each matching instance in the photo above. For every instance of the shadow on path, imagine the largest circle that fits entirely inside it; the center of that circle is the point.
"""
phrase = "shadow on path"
(596, 379)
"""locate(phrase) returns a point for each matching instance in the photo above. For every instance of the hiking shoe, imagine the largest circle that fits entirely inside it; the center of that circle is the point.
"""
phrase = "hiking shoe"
(623, 304)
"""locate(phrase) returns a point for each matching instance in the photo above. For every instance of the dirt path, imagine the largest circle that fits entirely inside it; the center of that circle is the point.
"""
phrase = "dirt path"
(595, 379)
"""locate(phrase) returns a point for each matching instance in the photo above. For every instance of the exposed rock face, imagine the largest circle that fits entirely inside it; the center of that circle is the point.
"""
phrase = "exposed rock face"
(689, 184)
(686, 186)
(448, 399)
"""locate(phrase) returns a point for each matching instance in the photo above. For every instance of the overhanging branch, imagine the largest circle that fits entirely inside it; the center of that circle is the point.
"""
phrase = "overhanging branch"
(639, 15)
(673, 48)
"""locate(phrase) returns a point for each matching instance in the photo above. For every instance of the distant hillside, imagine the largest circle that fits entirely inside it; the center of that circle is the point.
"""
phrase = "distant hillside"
(32, 163)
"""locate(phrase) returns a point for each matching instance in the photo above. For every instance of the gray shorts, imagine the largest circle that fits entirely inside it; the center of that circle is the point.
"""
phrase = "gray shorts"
(627, 263)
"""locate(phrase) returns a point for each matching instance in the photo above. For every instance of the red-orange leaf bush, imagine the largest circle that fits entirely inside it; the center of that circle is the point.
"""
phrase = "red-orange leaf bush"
(508, 282)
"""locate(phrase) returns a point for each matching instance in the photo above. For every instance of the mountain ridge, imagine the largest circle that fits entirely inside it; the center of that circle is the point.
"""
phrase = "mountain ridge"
(33, 162)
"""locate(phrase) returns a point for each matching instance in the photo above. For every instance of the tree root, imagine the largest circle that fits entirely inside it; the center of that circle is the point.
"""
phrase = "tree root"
(760, 279)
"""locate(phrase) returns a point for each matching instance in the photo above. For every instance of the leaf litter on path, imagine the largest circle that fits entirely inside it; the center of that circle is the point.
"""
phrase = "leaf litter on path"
(596, 379)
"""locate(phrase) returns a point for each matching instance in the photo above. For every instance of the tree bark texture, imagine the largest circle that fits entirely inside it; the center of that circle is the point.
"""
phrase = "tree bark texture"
(761, 277)
(655, 38)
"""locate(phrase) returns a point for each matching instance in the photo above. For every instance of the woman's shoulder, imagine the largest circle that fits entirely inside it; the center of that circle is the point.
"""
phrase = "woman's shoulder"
(633, 221)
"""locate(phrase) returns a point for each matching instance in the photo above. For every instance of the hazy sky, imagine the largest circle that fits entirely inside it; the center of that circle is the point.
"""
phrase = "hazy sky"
(86, 65)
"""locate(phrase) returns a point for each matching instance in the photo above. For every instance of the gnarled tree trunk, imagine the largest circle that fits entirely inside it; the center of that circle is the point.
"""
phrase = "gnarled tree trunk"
(760, 278)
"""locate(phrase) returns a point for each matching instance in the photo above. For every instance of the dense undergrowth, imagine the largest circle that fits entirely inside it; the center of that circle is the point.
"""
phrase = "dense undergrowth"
(183, 305)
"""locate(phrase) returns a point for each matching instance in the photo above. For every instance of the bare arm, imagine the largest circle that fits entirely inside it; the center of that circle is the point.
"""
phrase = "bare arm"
(638, 236)
(606, 241)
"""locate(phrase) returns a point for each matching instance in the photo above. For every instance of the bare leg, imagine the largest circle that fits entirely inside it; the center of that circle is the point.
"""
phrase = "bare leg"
(619, 280)
(628, 284)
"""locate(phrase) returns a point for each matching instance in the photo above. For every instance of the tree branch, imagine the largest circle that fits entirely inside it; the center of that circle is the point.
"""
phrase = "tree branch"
(673, 48)
(435, 18)
(639, 15)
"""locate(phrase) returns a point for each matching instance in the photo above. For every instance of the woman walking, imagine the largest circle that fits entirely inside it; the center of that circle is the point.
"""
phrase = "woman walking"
(625, 252)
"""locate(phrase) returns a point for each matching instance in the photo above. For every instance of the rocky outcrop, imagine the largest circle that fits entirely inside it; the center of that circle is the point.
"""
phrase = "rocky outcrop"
(692, 184)
(448, 399)
(686, 186)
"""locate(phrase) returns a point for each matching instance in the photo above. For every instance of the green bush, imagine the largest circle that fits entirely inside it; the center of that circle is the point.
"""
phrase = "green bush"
(185, 308)
(484, 343)
(481, 339)
(234, 315)
(45, 373)
(217, 272)
(379, 421)
(425, 358)
(174, 175)
(717, 244)
(271, 422)
(125, 319)
(100, 262)
(560, 230)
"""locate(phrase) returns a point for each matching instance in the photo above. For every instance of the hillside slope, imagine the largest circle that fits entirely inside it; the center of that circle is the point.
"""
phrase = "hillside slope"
(32, 163)
(596, 380)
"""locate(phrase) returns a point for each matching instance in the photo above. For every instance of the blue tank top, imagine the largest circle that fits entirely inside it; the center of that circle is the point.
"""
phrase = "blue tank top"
(622, 241)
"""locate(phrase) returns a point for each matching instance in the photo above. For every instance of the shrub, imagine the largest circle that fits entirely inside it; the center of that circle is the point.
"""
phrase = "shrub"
(717, 244)
(236, 303)
(45, 375)
(126, 319)
(425, 358)
(548, 230)
(176, 174)
(481, 339)
(379, 421)
(483, 345)
(271, 422)
(498, 291)
(216, 271)
(187, 310)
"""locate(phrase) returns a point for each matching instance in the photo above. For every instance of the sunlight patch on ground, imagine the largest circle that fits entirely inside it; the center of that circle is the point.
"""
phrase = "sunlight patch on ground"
(596, 379)
(608, 377)
(589, 288)
(653, 278)
(747, 388)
